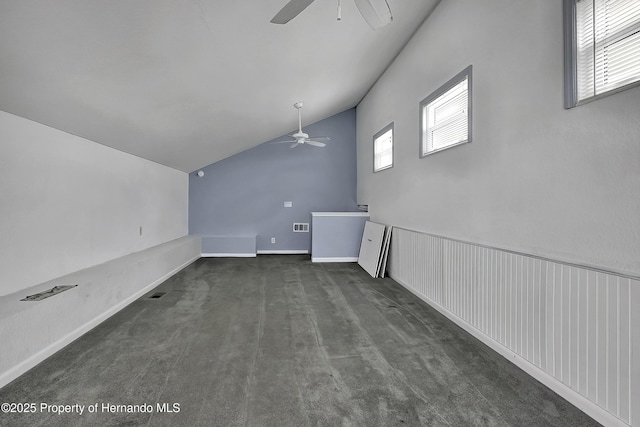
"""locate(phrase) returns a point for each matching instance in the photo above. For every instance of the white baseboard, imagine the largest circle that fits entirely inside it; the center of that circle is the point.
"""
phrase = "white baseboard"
(30, 362)
(227, 255)
(334, 259)
(283, 252)
(572, 396)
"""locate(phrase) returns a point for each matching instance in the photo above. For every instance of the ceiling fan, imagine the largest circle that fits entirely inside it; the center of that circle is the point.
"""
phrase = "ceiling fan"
(300, 137)
(377, 13)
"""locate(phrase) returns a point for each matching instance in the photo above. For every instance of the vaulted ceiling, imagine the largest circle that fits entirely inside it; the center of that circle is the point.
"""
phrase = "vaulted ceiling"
(186, 83)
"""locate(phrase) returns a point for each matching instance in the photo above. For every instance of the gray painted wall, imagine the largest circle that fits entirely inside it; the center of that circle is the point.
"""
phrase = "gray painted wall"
(337, 236)
(245, 194)
(70, 203)
(537, 178)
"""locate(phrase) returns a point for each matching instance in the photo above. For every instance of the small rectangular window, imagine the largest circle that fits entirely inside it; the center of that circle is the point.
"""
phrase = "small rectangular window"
(445, 115)
(383, 148)
(602, 42)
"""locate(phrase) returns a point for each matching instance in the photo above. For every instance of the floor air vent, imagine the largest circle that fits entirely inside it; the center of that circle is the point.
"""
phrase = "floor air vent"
(49, 293)
(158, 295)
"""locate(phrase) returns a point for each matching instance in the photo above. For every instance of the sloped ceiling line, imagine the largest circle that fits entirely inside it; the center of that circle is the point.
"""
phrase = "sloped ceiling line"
(187, 83)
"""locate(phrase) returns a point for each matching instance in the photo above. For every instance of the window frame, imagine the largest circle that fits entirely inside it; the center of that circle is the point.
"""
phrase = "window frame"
(466, 73)
(377, 135)
(570, 61)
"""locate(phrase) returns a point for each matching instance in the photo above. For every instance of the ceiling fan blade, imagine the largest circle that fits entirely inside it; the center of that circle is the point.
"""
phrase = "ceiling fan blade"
(315, 143)
(290, 11)
(294, 145)
(320, 138)
(282, 142)
(377, 13)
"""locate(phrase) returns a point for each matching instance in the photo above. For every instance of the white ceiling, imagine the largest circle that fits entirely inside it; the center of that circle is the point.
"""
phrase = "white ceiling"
(186, 83)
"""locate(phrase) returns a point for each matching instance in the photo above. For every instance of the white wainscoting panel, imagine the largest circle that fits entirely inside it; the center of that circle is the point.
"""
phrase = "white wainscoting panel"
(573, 323)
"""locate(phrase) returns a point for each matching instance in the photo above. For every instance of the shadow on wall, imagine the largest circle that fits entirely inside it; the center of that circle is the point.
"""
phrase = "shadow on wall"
(245, 194)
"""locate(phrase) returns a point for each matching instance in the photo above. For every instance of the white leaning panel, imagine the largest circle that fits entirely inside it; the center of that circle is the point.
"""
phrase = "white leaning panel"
(370, 247)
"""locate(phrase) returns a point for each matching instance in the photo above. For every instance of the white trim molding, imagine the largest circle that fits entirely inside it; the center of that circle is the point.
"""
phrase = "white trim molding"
(227, 255)
(283, 252)
(334, 259)
(339, 213)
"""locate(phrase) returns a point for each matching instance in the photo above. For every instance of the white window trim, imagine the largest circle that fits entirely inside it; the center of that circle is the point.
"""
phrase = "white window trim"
(376, 136)
(466, 73)
(570, 62)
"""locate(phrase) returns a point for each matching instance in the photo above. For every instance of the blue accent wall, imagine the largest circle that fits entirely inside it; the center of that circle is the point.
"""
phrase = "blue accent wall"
(245, 193)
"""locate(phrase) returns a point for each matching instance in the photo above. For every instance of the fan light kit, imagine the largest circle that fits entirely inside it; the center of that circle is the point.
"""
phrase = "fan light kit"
(377, 13)
(300, 137)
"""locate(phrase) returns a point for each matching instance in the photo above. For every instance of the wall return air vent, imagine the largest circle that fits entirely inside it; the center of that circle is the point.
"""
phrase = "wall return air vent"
(301, 227)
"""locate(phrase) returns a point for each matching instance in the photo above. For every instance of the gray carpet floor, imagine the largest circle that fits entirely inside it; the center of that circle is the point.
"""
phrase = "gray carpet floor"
(280, 341)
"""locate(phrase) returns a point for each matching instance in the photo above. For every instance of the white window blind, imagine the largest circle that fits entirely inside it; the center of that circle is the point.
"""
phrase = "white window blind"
(607, 45)
(383, 149)
(445, 119)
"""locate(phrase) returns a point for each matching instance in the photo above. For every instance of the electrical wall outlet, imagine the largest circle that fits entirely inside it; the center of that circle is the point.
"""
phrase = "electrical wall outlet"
(273, 240)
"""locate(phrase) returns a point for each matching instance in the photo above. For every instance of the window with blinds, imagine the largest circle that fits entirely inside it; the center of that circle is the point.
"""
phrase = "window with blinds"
(383, 148)
(446, 115)
(606, 46)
